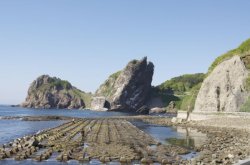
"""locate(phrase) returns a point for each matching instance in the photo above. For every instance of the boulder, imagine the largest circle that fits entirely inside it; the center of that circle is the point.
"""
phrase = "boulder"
(157, 110)
(171, 107)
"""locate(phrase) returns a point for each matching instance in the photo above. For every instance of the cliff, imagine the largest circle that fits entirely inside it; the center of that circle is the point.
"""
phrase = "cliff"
(51, 92)
(128, 89)
(226, 87)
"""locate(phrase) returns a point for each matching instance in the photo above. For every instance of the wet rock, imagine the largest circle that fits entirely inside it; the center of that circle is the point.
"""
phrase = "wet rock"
(107, 159)
(123, 160)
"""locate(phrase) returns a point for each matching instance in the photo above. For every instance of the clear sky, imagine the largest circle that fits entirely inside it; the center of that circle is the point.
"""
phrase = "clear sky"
(85, 41)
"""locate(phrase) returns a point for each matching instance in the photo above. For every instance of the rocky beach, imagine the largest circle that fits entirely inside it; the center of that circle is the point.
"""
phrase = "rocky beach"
(115, 139)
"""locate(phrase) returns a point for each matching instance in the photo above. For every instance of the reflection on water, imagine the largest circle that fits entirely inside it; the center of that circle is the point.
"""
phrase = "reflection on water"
(184, 137)
(188, 143)
(160, 133)
(191, 137)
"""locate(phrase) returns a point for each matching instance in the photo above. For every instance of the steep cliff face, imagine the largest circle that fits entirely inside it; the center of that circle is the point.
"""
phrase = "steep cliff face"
(227, 85)
(224, 90)
(129, 88)
(51, 92)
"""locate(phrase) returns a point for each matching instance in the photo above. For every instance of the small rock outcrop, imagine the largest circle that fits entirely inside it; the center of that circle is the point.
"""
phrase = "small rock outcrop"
(128, 89)
(171, 108)
(99, 104)
(51, 92)
(224, 89)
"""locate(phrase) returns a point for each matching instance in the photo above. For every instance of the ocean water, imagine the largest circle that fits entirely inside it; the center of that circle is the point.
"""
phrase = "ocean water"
(13, 129)
(19, 111)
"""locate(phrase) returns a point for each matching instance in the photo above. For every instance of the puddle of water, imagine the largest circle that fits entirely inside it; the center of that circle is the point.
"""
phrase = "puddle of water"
(190, 155)
(190, 138)
(183, 137)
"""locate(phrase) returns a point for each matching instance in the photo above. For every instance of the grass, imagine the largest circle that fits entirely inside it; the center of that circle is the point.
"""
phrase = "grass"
(242, 50)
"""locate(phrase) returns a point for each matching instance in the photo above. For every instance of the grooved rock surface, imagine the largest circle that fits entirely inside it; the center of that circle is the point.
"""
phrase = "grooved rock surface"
(224, 89)
(51, 92)
(128, 89)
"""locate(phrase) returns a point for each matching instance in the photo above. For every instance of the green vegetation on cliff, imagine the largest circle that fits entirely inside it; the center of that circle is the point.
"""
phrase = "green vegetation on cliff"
(115, 75)
(183, 90)
(181, 84)
(60, 84)
(107, 88)
(189, 99)
(86, 97)
(242, 50)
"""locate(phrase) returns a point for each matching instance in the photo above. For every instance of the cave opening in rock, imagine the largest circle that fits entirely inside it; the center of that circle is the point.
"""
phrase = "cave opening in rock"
(107, 105)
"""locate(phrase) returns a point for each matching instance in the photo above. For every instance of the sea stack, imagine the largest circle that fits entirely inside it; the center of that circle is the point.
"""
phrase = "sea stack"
(128, 89)
(50, 92)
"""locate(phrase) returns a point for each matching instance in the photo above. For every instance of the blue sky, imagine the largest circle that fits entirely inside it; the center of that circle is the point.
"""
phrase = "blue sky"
(85, 41)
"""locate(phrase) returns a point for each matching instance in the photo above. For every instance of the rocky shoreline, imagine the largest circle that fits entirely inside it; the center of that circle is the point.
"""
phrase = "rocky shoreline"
(104, 139)
(226, 143)
(228, 139)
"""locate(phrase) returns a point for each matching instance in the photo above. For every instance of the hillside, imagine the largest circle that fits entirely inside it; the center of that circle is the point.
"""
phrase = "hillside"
(182, 90)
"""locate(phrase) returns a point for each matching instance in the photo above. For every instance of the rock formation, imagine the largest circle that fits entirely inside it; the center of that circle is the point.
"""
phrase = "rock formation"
(128, 89)
(224, 89)
(99, 104)
(51, 92)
